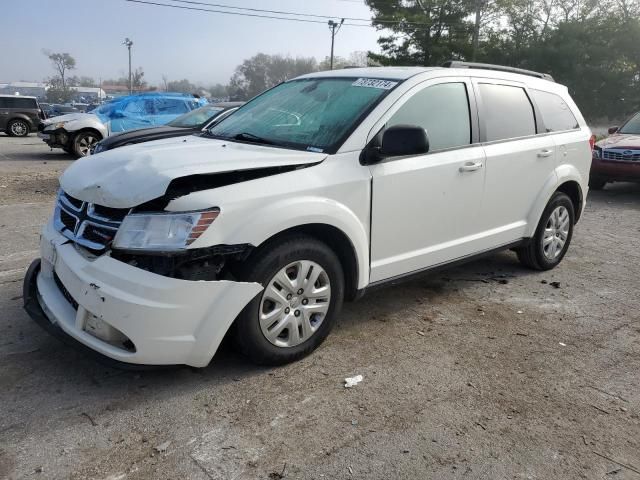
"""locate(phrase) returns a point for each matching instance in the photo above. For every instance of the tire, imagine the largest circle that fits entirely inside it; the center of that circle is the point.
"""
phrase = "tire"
(263, 330)
(18, 128)
(546, 250)
(596, 183)
(83, 142)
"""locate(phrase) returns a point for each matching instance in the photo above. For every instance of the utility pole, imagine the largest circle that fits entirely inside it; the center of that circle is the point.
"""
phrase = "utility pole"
(128, 43)
(476, 30)
(334, 27)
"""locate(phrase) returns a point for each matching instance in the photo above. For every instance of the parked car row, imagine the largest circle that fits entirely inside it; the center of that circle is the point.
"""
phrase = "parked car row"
(78, 133)
(314, 192)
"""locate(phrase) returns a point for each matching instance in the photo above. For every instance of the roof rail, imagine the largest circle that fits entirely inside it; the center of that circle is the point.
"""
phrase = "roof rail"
(499, 68)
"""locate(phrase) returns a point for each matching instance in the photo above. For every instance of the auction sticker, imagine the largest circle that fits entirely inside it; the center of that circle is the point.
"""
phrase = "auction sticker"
(374, 83)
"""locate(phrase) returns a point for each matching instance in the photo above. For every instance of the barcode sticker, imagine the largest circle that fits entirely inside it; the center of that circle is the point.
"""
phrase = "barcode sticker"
(374, 83)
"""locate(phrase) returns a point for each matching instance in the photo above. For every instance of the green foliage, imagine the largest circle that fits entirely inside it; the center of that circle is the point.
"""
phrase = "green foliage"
(592, 46)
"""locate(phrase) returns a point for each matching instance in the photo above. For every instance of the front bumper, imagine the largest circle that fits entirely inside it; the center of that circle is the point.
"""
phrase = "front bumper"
(128, 314)
(615, 170)
(58, 138)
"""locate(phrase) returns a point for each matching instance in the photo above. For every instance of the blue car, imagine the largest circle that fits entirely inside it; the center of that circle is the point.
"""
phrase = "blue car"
(77, 133)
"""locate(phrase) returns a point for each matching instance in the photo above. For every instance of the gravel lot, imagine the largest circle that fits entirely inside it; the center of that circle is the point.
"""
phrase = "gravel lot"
(484, 371)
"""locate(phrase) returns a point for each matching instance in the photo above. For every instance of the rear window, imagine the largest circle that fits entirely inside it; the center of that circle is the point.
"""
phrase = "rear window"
(506, 112)
(556, 114)
(17, 102)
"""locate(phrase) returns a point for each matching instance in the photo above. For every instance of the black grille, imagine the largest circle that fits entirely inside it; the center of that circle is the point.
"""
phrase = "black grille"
(89, 225)
(115, 214)
(68, 220)
(64, 291)
(73, 201)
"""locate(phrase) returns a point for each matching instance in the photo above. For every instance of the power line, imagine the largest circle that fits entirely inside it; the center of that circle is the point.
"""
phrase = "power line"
(372, 23)
(242, 14)
(208, 4)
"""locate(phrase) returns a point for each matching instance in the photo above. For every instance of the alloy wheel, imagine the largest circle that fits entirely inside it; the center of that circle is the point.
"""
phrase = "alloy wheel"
(556, 233)
(19, 129)
(86, 143)
(294, 304)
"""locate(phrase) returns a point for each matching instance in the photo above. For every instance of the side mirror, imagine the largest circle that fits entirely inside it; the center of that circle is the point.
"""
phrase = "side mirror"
(613, 130)
(404, 140)
(117, 114)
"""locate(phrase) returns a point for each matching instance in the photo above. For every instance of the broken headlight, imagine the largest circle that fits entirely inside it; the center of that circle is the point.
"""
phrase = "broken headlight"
(162, 231)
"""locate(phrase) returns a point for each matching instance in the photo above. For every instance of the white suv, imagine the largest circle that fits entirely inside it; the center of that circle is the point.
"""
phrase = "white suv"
(311, 193)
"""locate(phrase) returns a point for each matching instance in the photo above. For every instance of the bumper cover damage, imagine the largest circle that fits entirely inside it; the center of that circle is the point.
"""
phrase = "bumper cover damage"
(128, 314)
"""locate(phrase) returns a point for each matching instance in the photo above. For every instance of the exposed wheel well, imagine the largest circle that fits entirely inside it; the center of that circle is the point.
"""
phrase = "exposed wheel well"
(573, 190)
(89, 129)
(338, 241)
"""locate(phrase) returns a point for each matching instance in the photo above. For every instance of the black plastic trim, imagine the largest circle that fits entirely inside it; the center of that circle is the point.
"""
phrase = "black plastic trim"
(440, 266)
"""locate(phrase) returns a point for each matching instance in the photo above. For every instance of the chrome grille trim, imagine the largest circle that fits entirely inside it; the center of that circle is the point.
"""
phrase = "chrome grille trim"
(621, 154)
(84, 216)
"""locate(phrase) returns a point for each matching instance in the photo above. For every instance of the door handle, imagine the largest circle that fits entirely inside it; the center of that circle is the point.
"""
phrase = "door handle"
(471, 166)
(545, 153)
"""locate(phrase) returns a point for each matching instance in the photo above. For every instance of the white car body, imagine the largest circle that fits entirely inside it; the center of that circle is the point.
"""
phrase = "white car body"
(403, 216)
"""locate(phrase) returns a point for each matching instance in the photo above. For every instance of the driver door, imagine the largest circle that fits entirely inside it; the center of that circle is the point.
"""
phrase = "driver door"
(426, 208)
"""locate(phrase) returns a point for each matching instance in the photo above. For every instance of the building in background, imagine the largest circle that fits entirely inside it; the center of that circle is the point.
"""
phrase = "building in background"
(39, 89)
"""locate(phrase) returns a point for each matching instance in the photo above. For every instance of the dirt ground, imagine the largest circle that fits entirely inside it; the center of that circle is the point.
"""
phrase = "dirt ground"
(486, 371)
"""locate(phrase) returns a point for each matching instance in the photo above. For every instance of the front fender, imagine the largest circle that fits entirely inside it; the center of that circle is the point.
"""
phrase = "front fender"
(86, 123)
(562, 174)
(270, 219)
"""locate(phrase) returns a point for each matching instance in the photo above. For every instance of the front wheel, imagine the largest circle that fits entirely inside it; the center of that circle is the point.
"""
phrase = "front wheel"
(83, 142)
(303, 292)
(549, 245)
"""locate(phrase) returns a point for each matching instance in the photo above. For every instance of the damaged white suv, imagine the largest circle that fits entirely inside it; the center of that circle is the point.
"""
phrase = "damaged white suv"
(311, 193)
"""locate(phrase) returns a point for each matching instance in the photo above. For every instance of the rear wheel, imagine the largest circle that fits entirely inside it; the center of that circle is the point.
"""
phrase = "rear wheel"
(303, 293)
(83, 142)
(553, 235)
(18, 128)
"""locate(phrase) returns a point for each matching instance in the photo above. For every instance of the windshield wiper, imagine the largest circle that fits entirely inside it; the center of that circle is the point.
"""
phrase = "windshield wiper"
(250, 137)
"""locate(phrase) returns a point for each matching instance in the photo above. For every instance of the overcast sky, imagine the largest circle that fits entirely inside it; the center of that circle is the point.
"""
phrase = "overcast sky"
(203, 47)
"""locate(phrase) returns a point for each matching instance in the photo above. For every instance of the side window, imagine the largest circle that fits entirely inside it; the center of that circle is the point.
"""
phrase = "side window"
(555, 112)
(506, 112)
(171, 106)
(17, 102)
(443, 111)
(4, 102)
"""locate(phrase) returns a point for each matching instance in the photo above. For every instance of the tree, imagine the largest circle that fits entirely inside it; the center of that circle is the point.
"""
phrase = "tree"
(423, 32)
(62, 62)
(219, 91)
(55, 92)
(136, 79)
(183, 86)
(263, 71)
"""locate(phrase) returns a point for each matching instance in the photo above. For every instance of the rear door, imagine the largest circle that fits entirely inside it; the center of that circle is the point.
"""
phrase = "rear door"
(4, 113)
(519, 161)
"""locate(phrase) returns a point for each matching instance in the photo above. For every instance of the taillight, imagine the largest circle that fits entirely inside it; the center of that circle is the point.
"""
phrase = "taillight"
(592, 142)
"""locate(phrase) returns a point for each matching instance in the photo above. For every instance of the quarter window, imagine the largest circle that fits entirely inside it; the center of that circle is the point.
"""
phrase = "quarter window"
(555, 112)
(443, 111)
(17, 102)
(506, 112)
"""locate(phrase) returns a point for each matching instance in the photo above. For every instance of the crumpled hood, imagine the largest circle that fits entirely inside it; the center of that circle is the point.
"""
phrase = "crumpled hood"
(69, 117)
(129, 176)
(620, 140)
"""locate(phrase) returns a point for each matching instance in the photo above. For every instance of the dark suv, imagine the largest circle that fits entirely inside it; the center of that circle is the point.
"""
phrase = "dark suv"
(19, 115)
